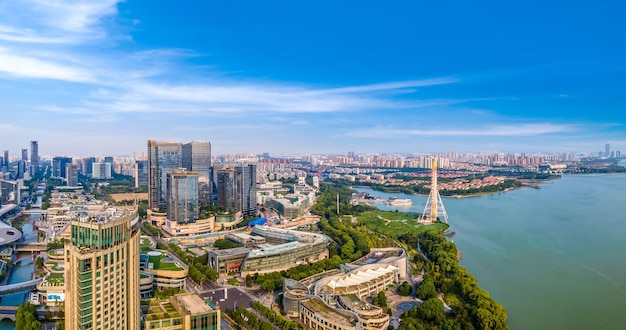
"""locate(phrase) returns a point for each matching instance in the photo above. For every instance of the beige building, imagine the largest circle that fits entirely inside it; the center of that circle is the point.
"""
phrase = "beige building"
(185, 311)
(101, 271)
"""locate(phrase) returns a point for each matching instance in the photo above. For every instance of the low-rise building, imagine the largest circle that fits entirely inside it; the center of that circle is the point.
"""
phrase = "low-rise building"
(284, 249)
(185, 311)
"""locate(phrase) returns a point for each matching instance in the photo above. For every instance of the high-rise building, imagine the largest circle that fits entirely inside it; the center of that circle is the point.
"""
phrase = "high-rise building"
(182, 196)
(58, 166)
(101, 170)
(87, 166)
(34, 157)
(245, 189)
(607, 150)
(109, 160)
(71, 175)
(141, 173)
(196, 157)
(226, 188)
(102, 272)
(21, 169)
(6, 159)
(163, 158)
(236, 189)
(24, 154)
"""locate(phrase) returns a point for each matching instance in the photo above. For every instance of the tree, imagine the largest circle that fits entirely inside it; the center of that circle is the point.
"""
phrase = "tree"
(380, 299)
(426, 289)
(404, 289)
(431, 310)
(39, 262)
(26, 317)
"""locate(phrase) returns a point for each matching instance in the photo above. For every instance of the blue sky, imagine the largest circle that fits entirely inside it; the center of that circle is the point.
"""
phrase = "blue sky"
(103, 77)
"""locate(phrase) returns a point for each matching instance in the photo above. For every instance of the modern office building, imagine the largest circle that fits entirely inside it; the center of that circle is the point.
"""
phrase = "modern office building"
(58, 166)
(102, 271)
(163, 158)
(182, 196)
(245, 189)
(607, 150)
(196, 157)
(24, 154)
(141, 173)
(101, 170)
(6, 159)
(34, 157)
(71, 175)
(226, 189)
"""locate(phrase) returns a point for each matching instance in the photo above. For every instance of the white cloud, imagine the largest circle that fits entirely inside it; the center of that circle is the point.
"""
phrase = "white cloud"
(493, 130)
(55, 21)
(31, 67)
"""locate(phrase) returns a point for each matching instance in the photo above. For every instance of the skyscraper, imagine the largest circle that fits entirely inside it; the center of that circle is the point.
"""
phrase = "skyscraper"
(21, 169)
(24, 154)
(226, 188)
(236, 189)
(58, 166)
(163, 158)
(196, 157)
(34, 156)
(182, 196)
(102, 272)
(6, 159)
(245, 189)
(607, 150)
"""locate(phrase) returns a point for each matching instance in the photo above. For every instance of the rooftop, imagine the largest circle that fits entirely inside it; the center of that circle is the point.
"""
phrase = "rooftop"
(193, 303)
(325, 312)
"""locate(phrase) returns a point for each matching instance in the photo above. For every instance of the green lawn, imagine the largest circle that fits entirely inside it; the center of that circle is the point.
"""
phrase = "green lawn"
(159, 264)
(395, 224)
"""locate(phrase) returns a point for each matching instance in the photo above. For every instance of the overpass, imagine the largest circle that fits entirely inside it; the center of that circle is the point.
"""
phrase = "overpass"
(35, 211)
(31, 247)
(20, 287)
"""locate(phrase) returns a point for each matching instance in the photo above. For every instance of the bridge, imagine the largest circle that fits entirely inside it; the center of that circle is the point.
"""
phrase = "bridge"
(31, 247)
(35, 211)
(20, 287)
(8, 312)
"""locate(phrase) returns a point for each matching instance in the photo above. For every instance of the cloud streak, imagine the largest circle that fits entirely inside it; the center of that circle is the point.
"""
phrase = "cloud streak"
(55, 22)
(531, 129)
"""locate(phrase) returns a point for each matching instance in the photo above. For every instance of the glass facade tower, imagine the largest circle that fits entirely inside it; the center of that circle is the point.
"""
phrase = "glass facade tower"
(182, 197)
(163, 158)
(197, 158)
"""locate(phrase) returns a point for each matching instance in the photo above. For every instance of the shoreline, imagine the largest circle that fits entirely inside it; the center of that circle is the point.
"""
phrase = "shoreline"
(535, 186)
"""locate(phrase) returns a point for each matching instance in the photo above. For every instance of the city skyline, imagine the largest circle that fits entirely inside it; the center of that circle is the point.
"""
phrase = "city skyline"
(103, 77)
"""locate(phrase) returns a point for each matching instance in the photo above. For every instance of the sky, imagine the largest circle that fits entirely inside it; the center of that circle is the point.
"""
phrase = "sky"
(103, 77)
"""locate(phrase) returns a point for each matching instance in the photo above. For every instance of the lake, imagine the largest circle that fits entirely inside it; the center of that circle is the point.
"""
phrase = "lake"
(555, 257)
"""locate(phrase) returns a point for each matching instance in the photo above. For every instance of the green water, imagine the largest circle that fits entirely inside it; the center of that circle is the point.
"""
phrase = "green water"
(555, 257)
